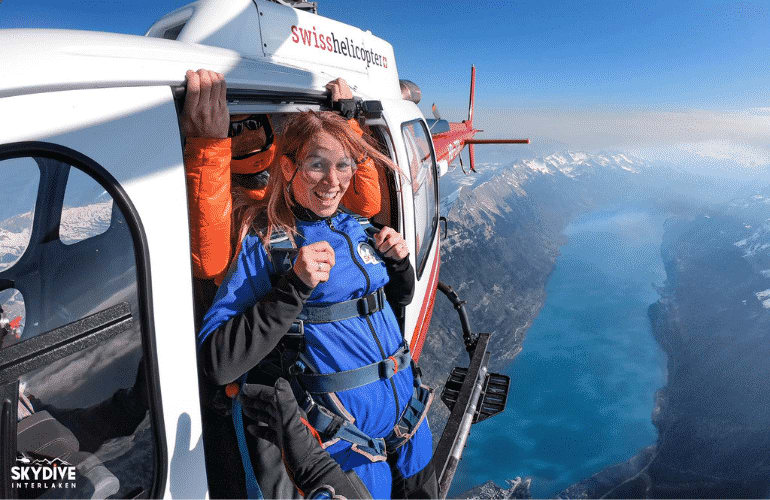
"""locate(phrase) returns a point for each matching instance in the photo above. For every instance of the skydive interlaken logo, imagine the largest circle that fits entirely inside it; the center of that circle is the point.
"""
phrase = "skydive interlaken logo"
(331, 43)
(43, 474)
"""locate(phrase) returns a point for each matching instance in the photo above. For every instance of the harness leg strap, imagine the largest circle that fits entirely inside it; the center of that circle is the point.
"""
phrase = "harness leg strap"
(333, 427)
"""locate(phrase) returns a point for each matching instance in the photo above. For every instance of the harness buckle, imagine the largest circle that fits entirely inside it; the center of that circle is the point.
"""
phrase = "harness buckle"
(294, 339)
(296, 368)
(388, 367)
(297, 328)
(368, 305)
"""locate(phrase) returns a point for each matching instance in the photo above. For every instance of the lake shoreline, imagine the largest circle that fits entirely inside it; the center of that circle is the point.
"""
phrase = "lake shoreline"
(561, 312)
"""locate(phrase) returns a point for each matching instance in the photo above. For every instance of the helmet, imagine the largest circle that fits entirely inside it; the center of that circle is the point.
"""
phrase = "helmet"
(245, 159)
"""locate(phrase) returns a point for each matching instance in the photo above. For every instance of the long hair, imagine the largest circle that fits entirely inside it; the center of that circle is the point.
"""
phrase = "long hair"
(298, 130)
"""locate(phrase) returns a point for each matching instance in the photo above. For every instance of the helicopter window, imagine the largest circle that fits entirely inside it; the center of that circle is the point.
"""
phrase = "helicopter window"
(389, 206)
(437, 126)
(80, 372)
(89, 267)
(18, 192)
(422, 167)
(173, 32)
(87, 209)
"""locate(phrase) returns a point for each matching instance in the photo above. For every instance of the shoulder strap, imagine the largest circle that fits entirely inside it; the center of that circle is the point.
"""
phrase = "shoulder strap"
(366, 224)
(282, 252)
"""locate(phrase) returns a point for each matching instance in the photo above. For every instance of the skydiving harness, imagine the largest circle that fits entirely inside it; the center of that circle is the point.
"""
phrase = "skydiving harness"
(315, 392)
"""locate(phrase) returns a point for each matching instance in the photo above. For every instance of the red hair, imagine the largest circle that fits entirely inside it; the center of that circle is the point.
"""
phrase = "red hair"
(299, 129)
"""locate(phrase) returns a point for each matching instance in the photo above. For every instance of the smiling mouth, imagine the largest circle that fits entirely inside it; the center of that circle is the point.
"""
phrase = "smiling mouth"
(326, 196)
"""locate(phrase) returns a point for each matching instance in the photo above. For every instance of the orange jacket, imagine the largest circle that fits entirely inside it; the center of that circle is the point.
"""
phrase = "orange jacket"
(207, 168)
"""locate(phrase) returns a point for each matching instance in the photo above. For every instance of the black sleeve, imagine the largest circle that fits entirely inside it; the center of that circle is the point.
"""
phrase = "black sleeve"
(236, 346)
(400, 288)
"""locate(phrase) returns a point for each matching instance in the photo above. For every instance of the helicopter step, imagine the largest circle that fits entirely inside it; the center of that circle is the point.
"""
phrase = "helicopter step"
(472, 394)
(493, 397)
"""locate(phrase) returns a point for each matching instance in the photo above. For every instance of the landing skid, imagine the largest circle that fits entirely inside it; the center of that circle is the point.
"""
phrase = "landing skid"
(472, 395)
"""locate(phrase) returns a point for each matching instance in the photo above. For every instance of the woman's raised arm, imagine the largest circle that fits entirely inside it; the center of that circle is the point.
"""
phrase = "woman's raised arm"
(249, 315)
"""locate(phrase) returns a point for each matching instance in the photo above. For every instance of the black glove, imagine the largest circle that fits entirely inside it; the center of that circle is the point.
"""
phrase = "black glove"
(307, 463)
(348, 108)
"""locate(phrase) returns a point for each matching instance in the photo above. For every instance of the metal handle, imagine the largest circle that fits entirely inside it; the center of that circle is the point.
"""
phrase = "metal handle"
(445, 232)
(469, 338)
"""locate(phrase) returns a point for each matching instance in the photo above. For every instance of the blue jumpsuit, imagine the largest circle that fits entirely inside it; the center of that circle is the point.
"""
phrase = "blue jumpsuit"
(341, 345)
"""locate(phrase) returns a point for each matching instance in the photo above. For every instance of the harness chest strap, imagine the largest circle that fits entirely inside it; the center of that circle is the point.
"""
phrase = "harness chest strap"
(294, 340)
(358, 377)
(329, 313)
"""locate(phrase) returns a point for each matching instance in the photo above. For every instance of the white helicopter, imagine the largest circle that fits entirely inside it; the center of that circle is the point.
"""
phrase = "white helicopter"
(94, 232)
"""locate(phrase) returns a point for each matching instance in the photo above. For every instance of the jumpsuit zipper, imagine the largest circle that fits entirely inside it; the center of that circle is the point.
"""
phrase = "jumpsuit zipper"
(366, 292)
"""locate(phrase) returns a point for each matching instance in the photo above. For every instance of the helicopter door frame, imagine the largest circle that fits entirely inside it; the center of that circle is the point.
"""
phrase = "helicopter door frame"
(397, 113)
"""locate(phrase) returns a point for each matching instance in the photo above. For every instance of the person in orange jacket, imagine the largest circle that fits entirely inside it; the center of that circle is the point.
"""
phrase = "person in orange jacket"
(225, 159)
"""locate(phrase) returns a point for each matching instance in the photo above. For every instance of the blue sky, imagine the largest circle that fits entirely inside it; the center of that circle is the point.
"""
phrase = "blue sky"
(565, 61)
(695, 54)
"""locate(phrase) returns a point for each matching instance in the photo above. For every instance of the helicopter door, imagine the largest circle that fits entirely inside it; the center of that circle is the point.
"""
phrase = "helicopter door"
(93, 193)
(424, 186)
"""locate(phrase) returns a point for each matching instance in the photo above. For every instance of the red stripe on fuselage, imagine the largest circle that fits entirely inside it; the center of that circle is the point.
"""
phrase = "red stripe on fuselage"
(426, 311)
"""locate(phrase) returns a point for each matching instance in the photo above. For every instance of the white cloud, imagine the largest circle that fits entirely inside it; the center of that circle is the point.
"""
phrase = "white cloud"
(743, 154)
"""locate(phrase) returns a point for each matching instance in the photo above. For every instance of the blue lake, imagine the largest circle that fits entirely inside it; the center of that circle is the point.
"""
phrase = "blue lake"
(582, 389)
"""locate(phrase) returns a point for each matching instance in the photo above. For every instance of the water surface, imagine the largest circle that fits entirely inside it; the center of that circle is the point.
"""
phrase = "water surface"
(582, 389)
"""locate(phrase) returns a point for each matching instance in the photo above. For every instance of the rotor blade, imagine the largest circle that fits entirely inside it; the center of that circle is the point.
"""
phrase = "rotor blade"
(471, 99)
(436, 114)
(497, 141)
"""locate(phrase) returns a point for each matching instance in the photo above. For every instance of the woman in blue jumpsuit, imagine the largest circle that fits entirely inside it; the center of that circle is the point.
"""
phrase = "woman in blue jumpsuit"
(256, 305)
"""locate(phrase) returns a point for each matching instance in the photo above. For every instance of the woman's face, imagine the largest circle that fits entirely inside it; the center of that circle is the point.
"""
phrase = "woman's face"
(323, 175)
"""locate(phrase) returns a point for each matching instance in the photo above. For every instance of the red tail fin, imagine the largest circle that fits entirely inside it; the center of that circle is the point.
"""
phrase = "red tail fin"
(15, 322)
(470, 102)
(472, 156)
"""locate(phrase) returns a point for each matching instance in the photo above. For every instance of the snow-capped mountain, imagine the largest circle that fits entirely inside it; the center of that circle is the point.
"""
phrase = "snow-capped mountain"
(757, 241)
(77, 223)
(507, 220)
(754, 216)
(14, 238)
(572, 165)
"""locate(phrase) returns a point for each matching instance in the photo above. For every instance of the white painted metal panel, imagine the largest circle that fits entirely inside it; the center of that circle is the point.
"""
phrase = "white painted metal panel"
(35, 61)
(133, 133)
(319, 44)
(233, 25)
